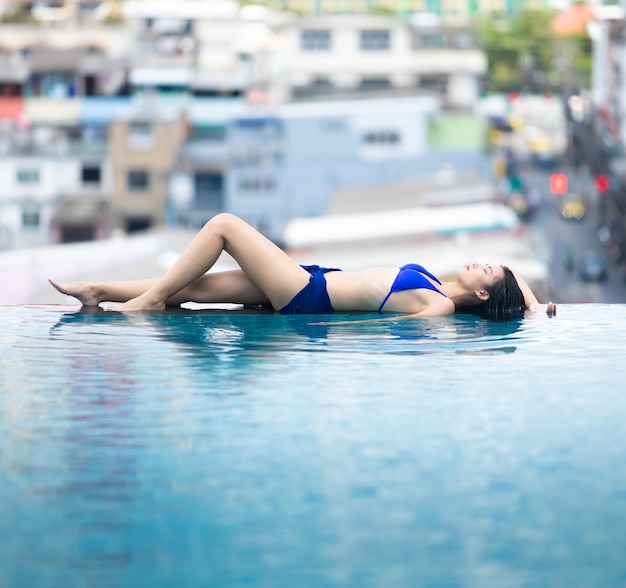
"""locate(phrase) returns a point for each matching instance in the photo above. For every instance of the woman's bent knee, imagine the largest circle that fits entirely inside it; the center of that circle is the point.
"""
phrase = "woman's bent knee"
(223, 221)
(224, 217)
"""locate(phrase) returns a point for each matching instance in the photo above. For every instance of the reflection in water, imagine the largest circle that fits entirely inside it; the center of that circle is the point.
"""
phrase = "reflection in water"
(224, 336)
(203, 448)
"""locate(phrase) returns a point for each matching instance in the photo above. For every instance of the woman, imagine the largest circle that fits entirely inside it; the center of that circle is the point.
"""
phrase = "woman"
(268, 276)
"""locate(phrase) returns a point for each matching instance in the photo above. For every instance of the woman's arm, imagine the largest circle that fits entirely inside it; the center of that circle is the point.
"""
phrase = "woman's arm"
(531, 300)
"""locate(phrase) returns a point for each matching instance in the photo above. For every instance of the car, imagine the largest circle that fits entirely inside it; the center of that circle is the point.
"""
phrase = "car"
(592, 267)
(541, 145)
(573, 208)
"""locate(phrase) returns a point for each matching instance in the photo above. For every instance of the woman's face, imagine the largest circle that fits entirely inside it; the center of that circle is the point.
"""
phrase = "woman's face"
(478, 276)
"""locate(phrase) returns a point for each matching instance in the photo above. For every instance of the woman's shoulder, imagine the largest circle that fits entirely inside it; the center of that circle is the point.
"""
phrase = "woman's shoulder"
(436, 303)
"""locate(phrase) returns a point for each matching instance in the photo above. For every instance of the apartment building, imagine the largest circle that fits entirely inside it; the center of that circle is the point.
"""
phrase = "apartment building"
(144, 143)
(55, 188)
(189, 47)
(63, 61)
(271, 163)
(187, 109)
(321, 55)
(199, 182)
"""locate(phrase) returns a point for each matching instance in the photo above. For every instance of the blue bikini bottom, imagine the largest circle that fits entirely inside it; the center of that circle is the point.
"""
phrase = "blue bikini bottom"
(313, 298)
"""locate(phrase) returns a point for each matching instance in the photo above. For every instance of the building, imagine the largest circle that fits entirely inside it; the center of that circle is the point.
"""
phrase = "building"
(270, 164)
(601, 122)
(144, 142)
(321, 55)
(63, 61)
(56, 185)
(193, 48)
(183, 109)
(199, 181)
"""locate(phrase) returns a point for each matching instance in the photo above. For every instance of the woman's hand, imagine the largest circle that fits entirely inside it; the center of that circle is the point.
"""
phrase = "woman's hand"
(549, 309)
(531, 300)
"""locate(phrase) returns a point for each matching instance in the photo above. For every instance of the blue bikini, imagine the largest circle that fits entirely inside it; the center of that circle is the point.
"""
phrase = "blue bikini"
(411, 277)
(314, 299)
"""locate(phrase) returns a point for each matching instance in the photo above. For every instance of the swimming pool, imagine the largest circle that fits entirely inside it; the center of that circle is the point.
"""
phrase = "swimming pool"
(237, 449)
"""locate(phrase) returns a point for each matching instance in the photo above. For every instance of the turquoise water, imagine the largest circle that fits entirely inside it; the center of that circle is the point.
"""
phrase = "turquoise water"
(235, 449)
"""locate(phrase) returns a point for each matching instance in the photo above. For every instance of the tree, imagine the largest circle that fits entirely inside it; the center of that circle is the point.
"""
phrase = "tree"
(524, 54)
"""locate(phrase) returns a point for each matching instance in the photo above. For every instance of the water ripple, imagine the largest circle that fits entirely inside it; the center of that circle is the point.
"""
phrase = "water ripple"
(238, 449)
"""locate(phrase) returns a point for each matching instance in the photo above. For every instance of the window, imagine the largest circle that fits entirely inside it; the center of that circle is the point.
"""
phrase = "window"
(92, 135)
(136, 224)
(322, 83)
(139, 136)
(30, 216)
(209, 191)
(433, 83)
(319, 86)
(51, 85)
(91, 174)
(315, 41)
(28, 176)
(429, 40)
(257, 184)
(216, 92)
(209, 132)
(382, 137)
(77, 233)
(373, 84)
(138, 180)
(375, 41)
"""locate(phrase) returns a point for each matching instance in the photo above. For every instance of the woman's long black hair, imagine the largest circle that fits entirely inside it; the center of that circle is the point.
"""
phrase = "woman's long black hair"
(505, 302)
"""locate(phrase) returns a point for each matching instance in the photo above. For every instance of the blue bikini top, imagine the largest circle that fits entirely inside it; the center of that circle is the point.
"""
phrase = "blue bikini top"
(411, 277)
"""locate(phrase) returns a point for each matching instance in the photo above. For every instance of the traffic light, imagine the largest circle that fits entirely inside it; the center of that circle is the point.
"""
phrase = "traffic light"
(558, 183)
(602, 183)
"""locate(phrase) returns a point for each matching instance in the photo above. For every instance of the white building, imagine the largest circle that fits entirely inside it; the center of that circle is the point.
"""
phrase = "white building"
(337, 53)
(62, 61)
(54, 189)
(608, 91)
(219, 48)
(193, 47)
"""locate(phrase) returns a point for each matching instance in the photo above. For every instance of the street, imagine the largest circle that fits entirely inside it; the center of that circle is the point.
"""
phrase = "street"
(566, 285)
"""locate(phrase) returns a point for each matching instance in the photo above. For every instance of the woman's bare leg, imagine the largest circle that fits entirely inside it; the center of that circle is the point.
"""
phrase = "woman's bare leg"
(269, 268)
(228, 286)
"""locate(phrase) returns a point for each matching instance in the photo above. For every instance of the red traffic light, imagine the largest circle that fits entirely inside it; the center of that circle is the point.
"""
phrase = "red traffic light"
(558, 183)
(602, 183)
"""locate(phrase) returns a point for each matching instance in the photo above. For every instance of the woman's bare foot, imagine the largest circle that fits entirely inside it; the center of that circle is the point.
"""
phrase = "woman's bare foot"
(88, 294)
(141, 303)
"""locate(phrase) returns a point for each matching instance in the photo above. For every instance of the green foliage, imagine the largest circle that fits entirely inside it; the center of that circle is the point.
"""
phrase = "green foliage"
(524, 54)
(384, 10)
(18, 15)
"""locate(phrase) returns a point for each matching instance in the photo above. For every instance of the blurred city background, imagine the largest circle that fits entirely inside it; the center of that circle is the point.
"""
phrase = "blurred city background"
(350, 132)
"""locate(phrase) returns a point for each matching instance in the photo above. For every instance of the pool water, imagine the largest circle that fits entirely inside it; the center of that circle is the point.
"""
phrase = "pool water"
(232, 449)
